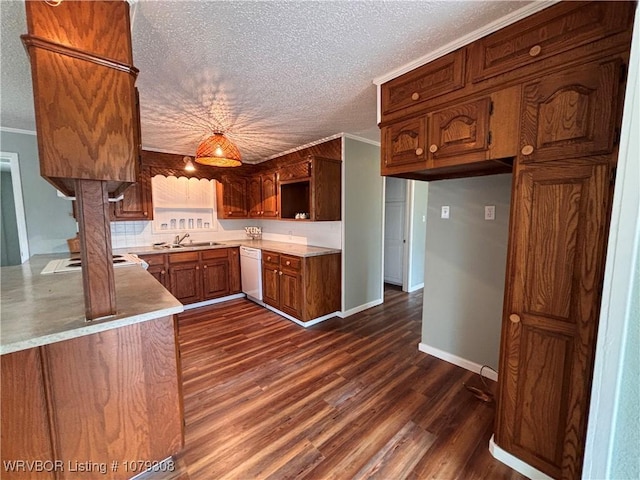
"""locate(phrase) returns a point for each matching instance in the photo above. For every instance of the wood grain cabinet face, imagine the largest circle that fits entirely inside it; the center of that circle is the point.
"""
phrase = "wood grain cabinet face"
(137, 203)
(25, 424)
(459, 130)
(557, 246)
(95, 135)
(570, 114)
(262, 195)
(441, 76)
(157, 268)
(559, 29)
(231, 197)
(405, 146)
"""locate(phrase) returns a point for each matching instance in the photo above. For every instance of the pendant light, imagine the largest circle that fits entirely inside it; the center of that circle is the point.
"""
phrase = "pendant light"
(218, 151)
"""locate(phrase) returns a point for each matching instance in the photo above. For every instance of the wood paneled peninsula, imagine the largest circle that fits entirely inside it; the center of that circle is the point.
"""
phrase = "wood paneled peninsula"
(79, 397)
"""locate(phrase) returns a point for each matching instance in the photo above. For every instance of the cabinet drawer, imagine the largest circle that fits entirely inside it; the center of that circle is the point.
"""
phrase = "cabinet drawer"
(554, 30)
(287, 262)
(152, 260)
(183, 257)
(297, 170)
(214, 253)
(441, 76)
(270, 257)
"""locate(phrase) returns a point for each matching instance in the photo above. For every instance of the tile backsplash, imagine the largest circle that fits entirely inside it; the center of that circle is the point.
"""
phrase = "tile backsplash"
(141, 233)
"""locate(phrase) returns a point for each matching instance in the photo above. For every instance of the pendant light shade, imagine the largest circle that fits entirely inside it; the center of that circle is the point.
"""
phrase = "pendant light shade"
(218, 151)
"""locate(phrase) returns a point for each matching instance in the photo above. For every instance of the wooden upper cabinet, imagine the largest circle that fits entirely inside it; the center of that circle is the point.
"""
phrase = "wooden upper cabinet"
(404, 146)
(262, 195)
(552, 298)
(552, 31)
(137, 203)
(571, 114)
(459, 130)
(441, 76)
(295, 171)
(84, 94)
(231, 197)
(269, 184)
(254, 196)
(462, 134)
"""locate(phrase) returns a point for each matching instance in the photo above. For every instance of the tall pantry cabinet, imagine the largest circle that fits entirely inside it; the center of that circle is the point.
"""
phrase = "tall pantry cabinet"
(568, 63)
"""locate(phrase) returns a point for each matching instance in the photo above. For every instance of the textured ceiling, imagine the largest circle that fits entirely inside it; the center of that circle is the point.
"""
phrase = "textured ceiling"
(273, 75)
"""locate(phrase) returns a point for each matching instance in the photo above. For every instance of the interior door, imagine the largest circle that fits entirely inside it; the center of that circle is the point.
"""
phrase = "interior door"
(394, 230)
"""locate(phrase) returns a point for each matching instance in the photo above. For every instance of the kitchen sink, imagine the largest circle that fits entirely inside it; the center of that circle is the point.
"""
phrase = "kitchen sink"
(173, 245)
(201, 244)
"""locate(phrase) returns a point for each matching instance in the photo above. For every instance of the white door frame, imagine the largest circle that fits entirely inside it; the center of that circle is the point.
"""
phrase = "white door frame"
(16, 182)
(408, 232)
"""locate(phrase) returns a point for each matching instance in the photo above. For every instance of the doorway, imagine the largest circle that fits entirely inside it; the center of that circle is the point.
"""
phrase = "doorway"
(395, 231)
(15, 244)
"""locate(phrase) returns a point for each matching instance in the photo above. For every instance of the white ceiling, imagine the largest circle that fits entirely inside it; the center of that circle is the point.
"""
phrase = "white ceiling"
(273, 75)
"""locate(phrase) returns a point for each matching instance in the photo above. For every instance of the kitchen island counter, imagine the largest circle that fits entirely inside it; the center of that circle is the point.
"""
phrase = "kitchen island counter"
(42, 309)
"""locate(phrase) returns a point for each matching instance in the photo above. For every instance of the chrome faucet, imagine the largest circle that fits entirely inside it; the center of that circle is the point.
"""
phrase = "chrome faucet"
(179, 240)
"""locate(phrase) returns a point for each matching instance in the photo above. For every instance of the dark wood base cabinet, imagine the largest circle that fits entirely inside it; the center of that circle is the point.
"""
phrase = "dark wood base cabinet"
(197, 276)
(302, 287)
(568, 62)
(105, 399)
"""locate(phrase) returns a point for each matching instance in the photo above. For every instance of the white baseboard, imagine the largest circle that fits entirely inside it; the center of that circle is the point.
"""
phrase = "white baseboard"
(360, 308)
(214, 301)
(515, 463)
(459, 361)
(300, 322)
(413, 288)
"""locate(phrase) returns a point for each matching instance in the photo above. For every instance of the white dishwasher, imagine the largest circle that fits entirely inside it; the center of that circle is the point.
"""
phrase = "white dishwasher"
(251, 273)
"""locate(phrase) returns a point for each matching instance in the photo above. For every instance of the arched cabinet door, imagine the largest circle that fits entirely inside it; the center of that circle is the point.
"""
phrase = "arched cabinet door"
(571, 114)
(405, 146)
(460, 130)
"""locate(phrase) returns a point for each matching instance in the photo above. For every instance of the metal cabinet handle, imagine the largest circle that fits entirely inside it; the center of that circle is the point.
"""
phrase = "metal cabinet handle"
(515, 318)
(535, 50)
(527, 150)
(433, 148)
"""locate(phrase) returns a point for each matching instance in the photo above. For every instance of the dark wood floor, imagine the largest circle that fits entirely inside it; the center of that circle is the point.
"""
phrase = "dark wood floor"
(348, 398)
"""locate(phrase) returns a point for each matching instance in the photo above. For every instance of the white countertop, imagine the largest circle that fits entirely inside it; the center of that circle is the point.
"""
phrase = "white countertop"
(280, 247)
(41, 309)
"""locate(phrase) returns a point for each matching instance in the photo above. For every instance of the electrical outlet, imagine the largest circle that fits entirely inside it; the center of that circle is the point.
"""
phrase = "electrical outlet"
(444, 211)
(489, 212)
(290, 235)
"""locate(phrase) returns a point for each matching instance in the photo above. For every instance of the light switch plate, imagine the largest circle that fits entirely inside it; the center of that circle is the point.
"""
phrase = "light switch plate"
(489, 212)
(444, 212)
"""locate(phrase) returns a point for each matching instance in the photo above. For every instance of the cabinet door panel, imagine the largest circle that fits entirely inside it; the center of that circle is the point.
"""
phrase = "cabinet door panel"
(552, 300)
(271, 285)
(232, 197)
(291, 294)
(254, 196)
(184, 280)
(404, 146)
(136, 203)
(555, 30)
(269, 196)
(25, 422)
(459, 130)
(235, 284)
(215, 278)
(570, 114)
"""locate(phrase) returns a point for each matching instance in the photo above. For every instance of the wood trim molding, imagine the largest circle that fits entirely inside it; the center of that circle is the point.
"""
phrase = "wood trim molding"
(456, 360)
(32, 41)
